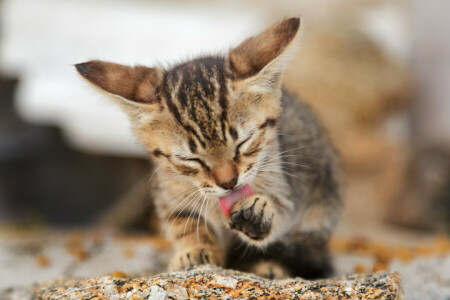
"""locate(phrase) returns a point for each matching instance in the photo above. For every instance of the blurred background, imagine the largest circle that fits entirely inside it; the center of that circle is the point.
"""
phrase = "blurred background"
(376, 72)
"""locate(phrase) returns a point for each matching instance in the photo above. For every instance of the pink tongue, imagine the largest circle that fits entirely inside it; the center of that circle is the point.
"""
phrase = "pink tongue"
(227, 202)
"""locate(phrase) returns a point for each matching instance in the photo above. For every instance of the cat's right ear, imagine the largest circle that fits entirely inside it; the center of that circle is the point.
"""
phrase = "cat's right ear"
(135, 85)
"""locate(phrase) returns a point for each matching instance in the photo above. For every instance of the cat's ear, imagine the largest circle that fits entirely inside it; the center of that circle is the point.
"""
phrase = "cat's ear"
(264, 55)
(136, 85)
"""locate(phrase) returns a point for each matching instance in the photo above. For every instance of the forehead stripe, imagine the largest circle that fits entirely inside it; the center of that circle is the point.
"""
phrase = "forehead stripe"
(174, 110)
(192, 146)
(199, 99)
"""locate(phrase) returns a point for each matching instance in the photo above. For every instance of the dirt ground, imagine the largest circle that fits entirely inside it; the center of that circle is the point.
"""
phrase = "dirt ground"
(28, 257)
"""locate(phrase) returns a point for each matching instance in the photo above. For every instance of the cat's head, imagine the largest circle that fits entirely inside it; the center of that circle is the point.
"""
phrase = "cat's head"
(209, 120)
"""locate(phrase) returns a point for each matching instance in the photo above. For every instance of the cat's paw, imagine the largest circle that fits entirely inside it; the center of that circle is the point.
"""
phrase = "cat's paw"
(270, 270)
(253, 216)
(195, 256)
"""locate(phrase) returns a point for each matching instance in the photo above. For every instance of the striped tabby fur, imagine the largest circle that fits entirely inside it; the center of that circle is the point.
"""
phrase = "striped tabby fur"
(220, 122)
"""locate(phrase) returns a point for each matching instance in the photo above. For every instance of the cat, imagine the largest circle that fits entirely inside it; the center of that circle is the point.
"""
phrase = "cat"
(245, 175)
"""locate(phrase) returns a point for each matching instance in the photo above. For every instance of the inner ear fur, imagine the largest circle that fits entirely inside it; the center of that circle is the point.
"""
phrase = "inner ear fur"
(137, 84)
(252, 55)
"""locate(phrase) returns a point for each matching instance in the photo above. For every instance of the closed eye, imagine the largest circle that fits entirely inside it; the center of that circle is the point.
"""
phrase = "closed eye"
(194, 159)
(252, 151)
(236, 153)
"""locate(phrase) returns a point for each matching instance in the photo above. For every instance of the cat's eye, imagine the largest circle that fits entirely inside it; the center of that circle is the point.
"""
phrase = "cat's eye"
(194, 159)
(236, 152)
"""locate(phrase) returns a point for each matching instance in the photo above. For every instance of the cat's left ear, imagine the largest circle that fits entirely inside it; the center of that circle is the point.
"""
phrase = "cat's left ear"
(133, 85)
(261, 59)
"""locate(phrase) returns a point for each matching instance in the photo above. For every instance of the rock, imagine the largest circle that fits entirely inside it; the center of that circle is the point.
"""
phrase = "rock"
(216, 283)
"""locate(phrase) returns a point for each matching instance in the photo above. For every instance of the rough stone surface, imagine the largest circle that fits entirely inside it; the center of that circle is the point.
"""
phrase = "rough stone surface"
(211, 282)
(29, 259)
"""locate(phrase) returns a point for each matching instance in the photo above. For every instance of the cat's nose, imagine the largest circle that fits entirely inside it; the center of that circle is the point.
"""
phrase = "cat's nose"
(230, 184)
(225, 174)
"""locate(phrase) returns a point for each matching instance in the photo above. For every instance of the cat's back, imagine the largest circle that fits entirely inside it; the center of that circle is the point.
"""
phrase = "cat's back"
(299, 126)
(307, 155)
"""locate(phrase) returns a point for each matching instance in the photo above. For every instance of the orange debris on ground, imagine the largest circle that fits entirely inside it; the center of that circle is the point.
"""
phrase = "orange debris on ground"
(42, 260)
(119, 274)
(385, 253)
(360, 268)
(75, 246)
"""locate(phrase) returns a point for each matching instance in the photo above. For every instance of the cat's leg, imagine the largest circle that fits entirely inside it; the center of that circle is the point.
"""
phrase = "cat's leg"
(298, 239)
(195, 240)
(304, 256)
(307, 255)
(261, 262)
(194, 243)
(306, 248)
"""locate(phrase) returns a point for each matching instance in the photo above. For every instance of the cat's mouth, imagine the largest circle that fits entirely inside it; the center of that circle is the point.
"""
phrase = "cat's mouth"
(227, 202)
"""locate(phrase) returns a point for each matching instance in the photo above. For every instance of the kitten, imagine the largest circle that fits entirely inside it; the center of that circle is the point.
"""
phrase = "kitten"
(238, 159)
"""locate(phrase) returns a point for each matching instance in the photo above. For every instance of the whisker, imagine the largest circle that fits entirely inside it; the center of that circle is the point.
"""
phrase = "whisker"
(206, 214)
(286, 163)
(283, 172)
(198, 220)
(189, 202)
(271, 158)
(186, 198)
(189, 218)
(173, 198)
(285, 154)
(289, 150)
(153, 174)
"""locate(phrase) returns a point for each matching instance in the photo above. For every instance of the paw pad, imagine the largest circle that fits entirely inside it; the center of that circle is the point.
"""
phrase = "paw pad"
(253, 220)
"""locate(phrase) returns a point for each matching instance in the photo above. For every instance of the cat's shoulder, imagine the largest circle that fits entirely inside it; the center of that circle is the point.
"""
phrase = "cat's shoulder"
(297, 112)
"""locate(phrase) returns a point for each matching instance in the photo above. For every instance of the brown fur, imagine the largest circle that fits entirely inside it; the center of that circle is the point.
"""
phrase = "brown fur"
(136, 84)
(216, 123)
(255, 53)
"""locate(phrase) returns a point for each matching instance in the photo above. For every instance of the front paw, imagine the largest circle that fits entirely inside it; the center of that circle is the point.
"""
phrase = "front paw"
(253, 216)
(195, 256)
